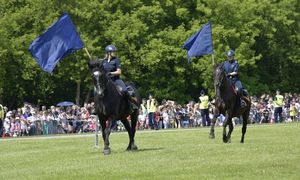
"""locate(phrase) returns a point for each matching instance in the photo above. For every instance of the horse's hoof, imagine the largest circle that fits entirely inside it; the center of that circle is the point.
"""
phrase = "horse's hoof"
(228, 141)
(212, 136)
(134, 147)
(106, 151)
(242, 142)
(224, 139)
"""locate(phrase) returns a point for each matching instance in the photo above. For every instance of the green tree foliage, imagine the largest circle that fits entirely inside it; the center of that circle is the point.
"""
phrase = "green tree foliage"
(149, 35)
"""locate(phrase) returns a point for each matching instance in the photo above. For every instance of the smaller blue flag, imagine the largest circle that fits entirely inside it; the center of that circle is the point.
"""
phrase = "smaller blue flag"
(200, 43)
(60, 40)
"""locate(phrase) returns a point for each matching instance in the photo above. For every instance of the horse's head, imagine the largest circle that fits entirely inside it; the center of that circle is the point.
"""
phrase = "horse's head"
(99, 76)
(219, 75)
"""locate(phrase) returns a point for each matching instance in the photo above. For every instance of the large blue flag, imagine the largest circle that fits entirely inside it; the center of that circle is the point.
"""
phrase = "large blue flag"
(200, 43)
(60, 40)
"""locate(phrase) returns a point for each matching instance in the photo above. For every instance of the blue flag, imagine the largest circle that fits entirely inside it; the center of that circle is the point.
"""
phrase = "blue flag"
(200, 43)
(60, 40)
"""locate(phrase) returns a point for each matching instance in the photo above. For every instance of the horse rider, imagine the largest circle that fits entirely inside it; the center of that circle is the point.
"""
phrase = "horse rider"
(231, 67)
(112, 66)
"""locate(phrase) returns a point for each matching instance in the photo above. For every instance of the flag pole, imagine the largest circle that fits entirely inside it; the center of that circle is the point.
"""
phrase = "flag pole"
(96, 132)
(213, 63)
(212, 59)
(88, 53)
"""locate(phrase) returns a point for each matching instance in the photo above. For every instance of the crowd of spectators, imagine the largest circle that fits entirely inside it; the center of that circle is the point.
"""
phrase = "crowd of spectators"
(169, 114)
(30, 120)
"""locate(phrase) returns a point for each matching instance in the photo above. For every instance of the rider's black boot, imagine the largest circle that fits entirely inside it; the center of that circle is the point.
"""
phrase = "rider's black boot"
(131, 105)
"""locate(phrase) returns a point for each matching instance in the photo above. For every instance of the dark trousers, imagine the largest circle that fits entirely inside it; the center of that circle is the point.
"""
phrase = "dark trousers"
(121, 83)
(151, 119)
(278, 114)
(205, 117)
(1, 128)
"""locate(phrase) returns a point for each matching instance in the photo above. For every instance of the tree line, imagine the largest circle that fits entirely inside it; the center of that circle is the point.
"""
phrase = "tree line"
(149, 35)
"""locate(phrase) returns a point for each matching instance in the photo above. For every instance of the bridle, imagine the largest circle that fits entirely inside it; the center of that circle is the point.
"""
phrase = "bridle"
(101, 81)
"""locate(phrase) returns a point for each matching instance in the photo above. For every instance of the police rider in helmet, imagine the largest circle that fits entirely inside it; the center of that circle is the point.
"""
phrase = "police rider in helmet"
(231, 67)
(112, 66)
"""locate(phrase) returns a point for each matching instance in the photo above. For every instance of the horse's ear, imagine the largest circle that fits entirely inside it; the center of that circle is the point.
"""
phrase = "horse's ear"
(216, 65)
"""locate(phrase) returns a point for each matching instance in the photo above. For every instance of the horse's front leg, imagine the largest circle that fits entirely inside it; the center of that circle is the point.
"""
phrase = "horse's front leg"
(212, 127)
(230, 129)
(106, 129)
(224, 128)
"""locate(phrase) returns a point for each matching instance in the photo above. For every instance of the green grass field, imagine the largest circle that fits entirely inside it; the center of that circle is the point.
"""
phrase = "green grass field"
(269, 152)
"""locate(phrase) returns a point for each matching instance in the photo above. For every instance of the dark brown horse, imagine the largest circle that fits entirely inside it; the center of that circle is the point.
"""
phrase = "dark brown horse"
(112, 105)
(227, 103)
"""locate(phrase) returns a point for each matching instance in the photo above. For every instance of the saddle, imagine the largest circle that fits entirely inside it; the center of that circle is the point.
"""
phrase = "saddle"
(130, 91)
(245, 99)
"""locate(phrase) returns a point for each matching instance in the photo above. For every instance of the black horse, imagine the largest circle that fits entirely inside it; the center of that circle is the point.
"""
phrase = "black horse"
(112, 105)
(227, 103)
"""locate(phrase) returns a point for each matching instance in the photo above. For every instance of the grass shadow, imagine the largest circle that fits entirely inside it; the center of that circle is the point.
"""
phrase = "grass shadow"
(100, 150)
(150, 149)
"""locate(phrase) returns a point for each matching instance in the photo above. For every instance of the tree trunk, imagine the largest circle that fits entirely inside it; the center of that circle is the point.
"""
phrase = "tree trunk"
(78, 93)
(87, 97)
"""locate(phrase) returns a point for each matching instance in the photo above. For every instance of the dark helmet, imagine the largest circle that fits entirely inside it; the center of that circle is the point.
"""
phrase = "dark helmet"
(110, 48)
(230, 53)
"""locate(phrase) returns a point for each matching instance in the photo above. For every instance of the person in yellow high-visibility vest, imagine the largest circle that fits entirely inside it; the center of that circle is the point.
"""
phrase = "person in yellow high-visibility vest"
(293, 111)
(151, 109)
(1, 119)
(278, 104)
(204, 102)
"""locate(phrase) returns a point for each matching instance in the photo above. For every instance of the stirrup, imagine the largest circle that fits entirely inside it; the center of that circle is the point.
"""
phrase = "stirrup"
(243, 103)
(133, 106)
(130, 91)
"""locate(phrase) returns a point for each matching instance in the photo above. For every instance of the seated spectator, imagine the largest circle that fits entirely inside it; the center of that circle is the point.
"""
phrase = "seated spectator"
(293, 111)
(165, 117)
(24, 127)
(141, 120)
(7, 124)
(85, 115)
(264, 114)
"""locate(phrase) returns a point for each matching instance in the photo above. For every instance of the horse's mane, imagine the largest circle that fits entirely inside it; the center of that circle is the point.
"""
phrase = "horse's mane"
(97, 64)
(218, 66)
(218, 75)
(94, 64)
